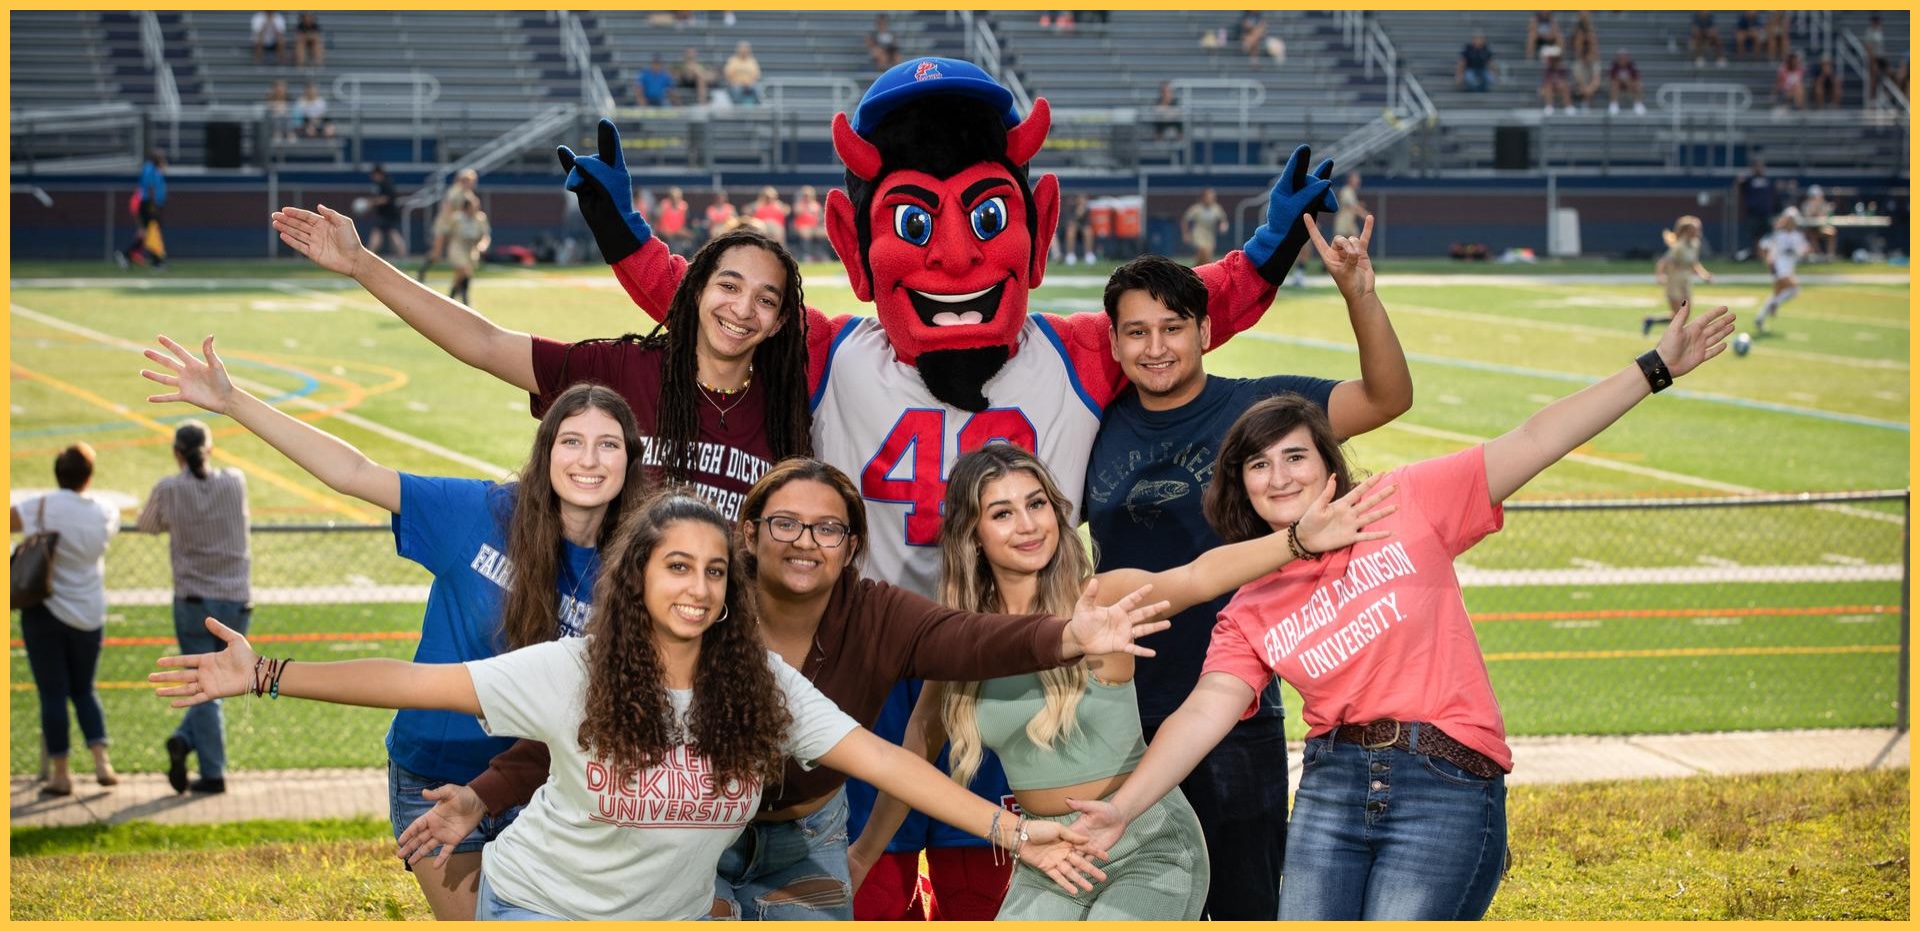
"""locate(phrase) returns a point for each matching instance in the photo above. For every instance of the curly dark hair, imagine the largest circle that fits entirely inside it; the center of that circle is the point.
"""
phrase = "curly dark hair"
(738, 719)
(779, 362)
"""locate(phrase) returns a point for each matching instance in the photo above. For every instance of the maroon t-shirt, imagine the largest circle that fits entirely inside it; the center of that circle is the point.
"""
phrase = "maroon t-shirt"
(731, 448)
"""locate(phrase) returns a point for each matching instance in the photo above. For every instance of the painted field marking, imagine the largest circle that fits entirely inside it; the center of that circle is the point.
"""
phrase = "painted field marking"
(1694, 651)
(478, 465)
(1706, 560)
(1679, 575)
(1715, 621)
(338, 506)
(1864, 611)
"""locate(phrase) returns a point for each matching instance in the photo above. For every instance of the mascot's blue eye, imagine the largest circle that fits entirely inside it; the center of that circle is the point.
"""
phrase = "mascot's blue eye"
(989, 218)
(913, 224)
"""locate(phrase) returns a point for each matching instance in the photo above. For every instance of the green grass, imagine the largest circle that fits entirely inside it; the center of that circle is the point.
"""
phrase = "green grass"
(1793, 846)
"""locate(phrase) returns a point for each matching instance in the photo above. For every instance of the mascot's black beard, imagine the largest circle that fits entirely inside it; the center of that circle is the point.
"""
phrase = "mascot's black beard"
(956, 376)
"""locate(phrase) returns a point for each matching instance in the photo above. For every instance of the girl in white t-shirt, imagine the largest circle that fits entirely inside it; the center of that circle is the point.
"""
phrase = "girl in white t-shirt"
(1782, 250)
(664, 722)
(1401, 807)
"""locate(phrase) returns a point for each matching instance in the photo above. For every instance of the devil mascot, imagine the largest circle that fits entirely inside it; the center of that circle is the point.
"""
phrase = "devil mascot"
(943, 229)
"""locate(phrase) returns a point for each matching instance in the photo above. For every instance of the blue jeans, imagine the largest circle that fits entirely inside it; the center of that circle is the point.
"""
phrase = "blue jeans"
(404, 805)
(1476, 79)
(490, 907)
(1391, 835)
(1239, 793)
(790, 870)
(63, 661)
(204, 728)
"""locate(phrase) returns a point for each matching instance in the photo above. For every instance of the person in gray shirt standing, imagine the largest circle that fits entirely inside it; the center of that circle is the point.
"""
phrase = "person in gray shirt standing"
(205, 512)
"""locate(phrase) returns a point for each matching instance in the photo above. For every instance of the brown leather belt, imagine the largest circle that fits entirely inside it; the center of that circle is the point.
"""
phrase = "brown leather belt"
(1390, 734)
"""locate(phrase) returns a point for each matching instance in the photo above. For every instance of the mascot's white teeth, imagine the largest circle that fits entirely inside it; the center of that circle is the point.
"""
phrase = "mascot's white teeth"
(952, 319)
(955, 298)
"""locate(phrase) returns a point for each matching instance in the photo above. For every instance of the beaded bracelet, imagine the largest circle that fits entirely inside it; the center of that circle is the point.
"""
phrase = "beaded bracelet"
(1293, 543)
(274, 691)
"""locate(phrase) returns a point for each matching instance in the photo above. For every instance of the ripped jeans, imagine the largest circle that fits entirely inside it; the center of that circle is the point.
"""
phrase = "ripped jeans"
(790, 870)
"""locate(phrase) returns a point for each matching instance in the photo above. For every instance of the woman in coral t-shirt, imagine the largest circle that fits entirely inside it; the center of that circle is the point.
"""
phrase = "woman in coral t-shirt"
(1401, 810)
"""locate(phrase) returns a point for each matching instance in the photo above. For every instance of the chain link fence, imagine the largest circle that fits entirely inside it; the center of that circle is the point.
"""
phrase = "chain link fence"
(1596, 617)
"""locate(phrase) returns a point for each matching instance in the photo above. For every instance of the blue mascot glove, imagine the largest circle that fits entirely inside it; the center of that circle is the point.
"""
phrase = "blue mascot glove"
(1298, 195)
(605, 191)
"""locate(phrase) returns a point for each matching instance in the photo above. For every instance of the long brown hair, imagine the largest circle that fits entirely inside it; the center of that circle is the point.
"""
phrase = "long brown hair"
(1226, 505)
(535, 535)
(738, 719)
(779, 362)
(797, 469)
(967, 583)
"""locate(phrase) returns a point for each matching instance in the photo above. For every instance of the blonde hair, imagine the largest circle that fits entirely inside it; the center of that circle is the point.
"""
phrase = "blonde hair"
(1681, 226)
(967, 583)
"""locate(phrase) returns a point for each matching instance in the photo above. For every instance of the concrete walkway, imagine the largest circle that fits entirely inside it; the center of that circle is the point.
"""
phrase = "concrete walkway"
(348, 793)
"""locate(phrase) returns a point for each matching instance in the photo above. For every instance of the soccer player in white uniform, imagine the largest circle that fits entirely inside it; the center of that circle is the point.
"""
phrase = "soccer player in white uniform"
(1782, 249)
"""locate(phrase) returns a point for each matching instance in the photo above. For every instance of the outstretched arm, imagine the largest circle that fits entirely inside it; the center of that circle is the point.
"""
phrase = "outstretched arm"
(926, 733)
(1047, 846)
(1241, 286)
(1384, 389)
(204, 383)
(1328, 525)
(1187, 736)
(327, 238)
(371, 683)
(1517, 456)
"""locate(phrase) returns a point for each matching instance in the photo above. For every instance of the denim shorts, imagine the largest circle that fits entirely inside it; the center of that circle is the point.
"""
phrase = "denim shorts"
(404, 805)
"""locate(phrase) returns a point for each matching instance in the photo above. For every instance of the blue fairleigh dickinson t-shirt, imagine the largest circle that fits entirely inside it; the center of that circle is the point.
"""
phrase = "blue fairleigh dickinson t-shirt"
(1145, 482)
(457, 529)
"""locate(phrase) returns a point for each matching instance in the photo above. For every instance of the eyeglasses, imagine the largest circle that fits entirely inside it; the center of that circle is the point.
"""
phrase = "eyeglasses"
(826, 533)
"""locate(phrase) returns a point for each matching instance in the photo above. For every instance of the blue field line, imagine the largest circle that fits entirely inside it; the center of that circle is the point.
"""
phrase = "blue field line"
(308, 385)
(1500, 369)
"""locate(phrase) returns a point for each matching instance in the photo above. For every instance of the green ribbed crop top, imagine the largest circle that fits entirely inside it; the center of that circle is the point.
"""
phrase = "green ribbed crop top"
(1106, 742)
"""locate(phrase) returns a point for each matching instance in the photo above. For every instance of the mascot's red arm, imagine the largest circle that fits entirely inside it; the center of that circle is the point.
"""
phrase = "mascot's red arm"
(653, 272)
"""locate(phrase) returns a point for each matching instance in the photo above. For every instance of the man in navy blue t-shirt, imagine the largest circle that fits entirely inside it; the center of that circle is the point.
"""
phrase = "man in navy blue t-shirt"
(1150, 465)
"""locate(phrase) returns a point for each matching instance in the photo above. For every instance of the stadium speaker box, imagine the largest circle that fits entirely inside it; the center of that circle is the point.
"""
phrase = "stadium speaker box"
(1512, 148)
(223, 145)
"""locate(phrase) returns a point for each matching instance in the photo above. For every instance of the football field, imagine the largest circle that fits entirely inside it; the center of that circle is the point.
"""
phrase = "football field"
(1592, 621)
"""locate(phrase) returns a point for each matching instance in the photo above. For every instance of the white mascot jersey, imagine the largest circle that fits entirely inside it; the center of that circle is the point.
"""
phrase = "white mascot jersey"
(874, 419)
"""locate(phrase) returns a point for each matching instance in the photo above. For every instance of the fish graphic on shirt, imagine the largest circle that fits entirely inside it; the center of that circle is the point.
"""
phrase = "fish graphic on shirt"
(1144, 502)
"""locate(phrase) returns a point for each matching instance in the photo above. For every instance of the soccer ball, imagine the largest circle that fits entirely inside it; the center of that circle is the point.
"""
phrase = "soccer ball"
(1742, 344)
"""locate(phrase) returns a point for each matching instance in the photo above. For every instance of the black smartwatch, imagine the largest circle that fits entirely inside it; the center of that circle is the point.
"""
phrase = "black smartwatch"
(1655, 369)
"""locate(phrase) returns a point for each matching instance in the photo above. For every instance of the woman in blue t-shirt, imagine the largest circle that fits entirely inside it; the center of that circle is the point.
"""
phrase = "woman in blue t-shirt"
(513, 563)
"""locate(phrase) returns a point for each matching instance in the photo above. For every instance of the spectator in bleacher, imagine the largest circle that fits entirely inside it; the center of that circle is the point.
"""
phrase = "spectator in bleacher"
(1474, 71)
(743, 75)
(1202, 225)
(1583, 73)
(1776, 38)
(671, 223)
(1623, 76)
(1167, 119)
(654, 86)
(386, 214)
(468, 238)
(309, 43)
(808, 233)
(1873, 40)
(1553, 83)
(1585, 39)
(1826, 84)
(1790, 83)
(693, 76)
(1748, 33)
(1898, 75)
(149, 247)
(1816, 215)
(269, 35)
(1706, 36)
(1543, 36)
(720, 214)
(1253, 35)
(1755, 190)
(1076, 230)
(313, 114)
(882, 47)
(280, 114)
(771, 213)
(63, 634)
(203, 512)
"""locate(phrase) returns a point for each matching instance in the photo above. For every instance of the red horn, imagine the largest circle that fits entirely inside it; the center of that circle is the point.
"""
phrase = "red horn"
(860, 156)
(1024, 140)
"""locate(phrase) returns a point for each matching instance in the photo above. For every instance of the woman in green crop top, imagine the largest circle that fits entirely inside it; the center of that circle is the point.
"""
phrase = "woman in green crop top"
(1074, 732)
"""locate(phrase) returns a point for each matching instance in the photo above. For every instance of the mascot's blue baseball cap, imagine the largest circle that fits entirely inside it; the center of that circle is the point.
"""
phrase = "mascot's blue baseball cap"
(917, 77)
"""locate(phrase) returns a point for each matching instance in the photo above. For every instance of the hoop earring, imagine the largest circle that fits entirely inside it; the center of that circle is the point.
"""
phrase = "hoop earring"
(723, 615)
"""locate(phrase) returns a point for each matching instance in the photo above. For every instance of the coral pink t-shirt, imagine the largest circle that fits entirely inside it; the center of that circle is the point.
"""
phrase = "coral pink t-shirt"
(1378, 630)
